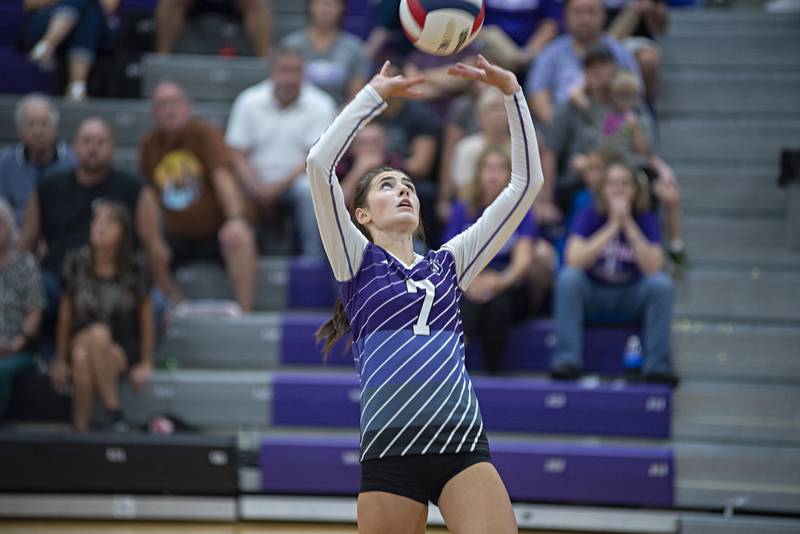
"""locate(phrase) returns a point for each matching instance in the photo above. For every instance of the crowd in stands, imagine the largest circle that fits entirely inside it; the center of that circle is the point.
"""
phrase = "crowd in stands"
(88, 252)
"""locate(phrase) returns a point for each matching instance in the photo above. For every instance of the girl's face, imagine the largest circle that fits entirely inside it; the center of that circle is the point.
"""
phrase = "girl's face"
(619, 184)
(625, 100)
(494, 175)
(392, 204)
(106, 230)
(327, 13)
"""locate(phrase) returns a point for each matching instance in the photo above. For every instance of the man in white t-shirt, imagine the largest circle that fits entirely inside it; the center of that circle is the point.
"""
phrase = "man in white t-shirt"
(273, 125)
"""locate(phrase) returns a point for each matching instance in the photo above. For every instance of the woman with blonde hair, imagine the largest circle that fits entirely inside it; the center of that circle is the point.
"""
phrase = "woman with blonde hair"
(614, 268)
(501, 294)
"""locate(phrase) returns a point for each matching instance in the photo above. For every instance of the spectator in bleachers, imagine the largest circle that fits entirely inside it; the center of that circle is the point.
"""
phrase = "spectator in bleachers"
(580, 124)
(614, 271)
(638, 24)
(21, 304)
(369, 150)
(272, 126)
(493, 131)
(256, 20)
(82, 27)
(186, 161)
(335, 59)
(500, 295)
(387, 39)
(59, 211)
(516, 31)
(38, 153)
(606, 113)
(106, 324)
(558, 70)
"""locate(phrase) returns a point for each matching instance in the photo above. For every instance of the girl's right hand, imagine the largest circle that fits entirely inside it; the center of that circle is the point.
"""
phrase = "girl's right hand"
(485, 72)
(389, 86)
(59, 375)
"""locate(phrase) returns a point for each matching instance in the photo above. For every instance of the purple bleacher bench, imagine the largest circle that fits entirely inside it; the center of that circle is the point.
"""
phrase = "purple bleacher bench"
(529, 346)
(549, 472)
(311, 284)
(508, 405)
(21, 76)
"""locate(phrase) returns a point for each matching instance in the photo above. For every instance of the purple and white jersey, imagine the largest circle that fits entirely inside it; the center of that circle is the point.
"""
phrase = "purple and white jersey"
(416, 396)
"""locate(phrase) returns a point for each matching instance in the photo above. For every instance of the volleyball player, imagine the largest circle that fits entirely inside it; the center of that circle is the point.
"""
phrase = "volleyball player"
(422, 436)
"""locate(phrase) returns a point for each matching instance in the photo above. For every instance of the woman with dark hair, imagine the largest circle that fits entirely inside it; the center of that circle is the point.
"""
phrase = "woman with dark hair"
(334, 59)
(500, 294)
(106, 326)
(614, 268)
(422, 436)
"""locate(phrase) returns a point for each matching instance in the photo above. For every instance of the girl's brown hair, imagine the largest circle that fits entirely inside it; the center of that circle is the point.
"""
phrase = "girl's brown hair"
(474, 190)
(338, 325)
(641, 196)
(126, 252)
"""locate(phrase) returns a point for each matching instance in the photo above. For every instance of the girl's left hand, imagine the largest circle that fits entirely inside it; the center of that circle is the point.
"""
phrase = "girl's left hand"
(389, 86)
(485, 72)
(140, 376)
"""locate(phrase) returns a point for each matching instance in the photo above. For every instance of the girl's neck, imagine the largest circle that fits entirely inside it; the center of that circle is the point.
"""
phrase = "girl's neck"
(401, 246)
(105, 261)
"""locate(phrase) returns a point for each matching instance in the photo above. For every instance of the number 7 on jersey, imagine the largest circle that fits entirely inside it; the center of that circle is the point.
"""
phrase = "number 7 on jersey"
(422, 328)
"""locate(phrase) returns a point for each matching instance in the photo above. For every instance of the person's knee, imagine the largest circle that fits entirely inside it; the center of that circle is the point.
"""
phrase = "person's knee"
(660, 285)
(570, 279)
(80, 364)
(236, 237)
(649, 59)
(99, 334)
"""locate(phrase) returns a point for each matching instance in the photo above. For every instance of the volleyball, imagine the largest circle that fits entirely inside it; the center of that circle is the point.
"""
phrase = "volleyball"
(441, 27)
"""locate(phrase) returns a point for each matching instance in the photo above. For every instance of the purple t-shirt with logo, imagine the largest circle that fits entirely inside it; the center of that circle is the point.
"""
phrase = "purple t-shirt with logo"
(460, 220)
(616, 264)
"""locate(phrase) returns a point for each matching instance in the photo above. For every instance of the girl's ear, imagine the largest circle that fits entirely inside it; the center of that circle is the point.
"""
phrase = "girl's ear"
(362, 216)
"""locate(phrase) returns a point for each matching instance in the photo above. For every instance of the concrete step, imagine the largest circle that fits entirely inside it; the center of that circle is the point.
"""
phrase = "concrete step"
(730, 190)
(739, 295)
(764, 479)
(735, 91)
(719, 46)
(129, 119)
(699, 21)
(210, 399)
(758, 242)
(737, 413)
(731, 139)
(728, 351)
(126, 158)
(205, 77)
(708, 524)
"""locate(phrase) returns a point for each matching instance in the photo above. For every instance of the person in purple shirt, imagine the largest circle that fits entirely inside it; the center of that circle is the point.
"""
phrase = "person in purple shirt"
(497, 296)
(558, 69)
(613, 267)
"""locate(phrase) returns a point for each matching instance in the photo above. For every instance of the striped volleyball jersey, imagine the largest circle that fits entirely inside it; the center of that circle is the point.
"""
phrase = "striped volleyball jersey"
(408, 342)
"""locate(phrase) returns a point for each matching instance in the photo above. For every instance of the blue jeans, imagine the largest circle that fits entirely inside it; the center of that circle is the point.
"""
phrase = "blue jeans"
(10, 366)
(91, 32)
(577, 298)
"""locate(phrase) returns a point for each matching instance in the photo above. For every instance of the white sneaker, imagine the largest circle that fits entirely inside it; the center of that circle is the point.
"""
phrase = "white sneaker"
(76, 91)
(783, 6)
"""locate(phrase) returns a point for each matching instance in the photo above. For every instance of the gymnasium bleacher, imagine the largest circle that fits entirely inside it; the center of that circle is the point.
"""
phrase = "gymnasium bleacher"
(720, 454)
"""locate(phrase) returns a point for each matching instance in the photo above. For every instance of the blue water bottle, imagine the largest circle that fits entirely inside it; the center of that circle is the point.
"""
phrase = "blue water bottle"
(632, 359)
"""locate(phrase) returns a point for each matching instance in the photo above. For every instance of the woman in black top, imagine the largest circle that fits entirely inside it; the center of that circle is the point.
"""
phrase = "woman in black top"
(105, 320)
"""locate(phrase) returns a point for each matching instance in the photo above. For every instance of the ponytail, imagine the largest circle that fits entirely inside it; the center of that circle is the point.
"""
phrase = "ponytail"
(333, 329)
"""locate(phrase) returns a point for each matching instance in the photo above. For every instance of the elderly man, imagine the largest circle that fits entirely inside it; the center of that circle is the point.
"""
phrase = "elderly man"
(273, 125)
(38, 153)
(186, 161)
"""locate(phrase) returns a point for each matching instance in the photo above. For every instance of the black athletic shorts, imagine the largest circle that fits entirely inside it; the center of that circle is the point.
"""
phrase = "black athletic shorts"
(418, 477)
